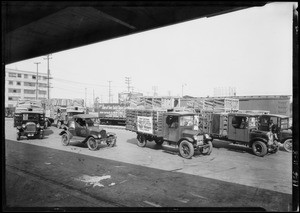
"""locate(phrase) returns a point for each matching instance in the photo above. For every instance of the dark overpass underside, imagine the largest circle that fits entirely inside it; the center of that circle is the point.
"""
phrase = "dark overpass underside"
(34, 28)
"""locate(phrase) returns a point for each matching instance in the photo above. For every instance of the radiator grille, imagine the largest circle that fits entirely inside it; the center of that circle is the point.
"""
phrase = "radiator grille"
(31, 127)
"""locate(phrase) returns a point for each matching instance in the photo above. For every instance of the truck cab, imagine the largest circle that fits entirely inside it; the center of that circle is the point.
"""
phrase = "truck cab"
(281, 128)
(179, 124)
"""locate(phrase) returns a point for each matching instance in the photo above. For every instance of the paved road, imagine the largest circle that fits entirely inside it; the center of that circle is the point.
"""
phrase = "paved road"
(73, 179)
(228, 164)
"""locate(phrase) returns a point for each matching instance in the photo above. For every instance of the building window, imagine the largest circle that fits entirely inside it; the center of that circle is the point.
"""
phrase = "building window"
(19, 83)
(25, 76)
(44, 78)
(14, 90)
(42, 92)
(42, 85)
(29, 84)
(28, 91)
(13, 75)
(33, 77)
(19, 75)
(11, 83)
(29, 98)
(13, 98)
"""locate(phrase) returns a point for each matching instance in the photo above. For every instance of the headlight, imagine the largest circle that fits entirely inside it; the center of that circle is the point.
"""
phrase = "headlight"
(23, 126)
(99, 135)
(38, 125)
(195, 137)
(206, 136)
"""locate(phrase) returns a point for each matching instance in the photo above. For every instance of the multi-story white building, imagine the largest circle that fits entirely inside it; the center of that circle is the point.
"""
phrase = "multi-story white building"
(22, 84)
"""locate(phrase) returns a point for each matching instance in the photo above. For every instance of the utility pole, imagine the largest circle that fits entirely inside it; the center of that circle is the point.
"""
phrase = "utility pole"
(48, 58)
(182, 89)
(85, 98)
(109, 92)
(37, 79)
(127, 81)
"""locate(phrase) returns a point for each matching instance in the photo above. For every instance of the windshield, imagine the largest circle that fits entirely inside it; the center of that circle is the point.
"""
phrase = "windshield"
(284, 123)
(187, 120)
(30, 117)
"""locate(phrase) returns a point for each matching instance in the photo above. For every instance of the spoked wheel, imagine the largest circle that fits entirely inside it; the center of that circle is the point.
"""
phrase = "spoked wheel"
(65, 140)
(92, 144)
(207, 149)
(112, 142)
(186, 149)
(141, 140)
(259, 148)
(288, 145)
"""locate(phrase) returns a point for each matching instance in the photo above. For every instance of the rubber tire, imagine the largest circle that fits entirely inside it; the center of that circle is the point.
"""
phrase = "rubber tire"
(288, 145)
(141, 140)
(41, 136)
(207, 150)
(186, 149)
(112, 143)
(65, 139)
(92, 144)
(18, 136)
(259, 148)
(159, 142)
(58, 124)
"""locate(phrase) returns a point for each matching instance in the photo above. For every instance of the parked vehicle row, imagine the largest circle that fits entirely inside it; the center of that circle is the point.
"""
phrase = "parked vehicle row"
(174, 128)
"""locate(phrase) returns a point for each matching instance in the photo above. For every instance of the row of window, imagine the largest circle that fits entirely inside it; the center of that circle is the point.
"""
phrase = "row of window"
(18, 75)
(26, 91)
(30, 84)
(16, 98)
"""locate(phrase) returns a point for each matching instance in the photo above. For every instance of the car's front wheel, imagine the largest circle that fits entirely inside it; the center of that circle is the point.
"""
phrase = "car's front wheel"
(92, 144)
(288, 145)
(65, 140)
(111, 142)
(259, 148)
(186, 149)
(207, 149)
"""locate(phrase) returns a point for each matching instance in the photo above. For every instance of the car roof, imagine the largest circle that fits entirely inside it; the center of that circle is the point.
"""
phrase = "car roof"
(29, 112)
(83, 116)
(275, 115)
(180, 113)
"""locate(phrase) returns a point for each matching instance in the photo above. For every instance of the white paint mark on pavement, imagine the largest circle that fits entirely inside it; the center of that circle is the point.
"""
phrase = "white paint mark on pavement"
(112, 184)
(123, 181)
(198, 196)
(183, 200)
(47, 163)
(151, 204)
(93, 180)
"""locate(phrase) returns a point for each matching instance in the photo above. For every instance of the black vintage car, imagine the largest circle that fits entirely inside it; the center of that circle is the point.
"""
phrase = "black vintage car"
(29, 124)
(85, 128)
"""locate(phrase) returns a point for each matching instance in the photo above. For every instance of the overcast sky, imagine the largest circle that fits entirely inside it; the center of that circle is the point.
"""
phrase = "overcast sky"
(250, 50)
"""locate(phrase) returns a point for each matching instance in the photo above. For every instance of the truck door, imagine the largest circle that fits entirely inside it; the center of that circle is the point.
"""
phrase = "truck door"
(238, 129)
(172, 128)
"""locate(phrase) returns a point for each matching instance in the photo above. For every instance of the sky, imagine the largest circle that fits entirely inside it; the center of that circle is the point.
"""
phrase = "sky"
(249, 50)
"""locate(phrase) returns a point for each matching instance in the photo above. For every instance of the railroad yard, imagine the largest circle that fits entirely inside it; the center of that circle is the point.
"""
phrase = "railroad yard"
(153, 176)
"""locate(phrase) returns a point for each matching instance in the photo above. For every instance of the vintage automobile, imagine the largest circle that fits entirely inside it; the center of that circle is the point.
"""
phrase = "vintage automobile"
(281, 128)
(86, 129)
(29, 124)
(242, 128)
(175, 129)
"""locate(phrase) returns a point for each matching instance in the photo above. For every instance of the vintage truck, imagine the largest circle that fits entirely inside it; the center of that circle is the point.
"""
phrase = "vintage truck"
(243, 128)
(29, 124)
(281, 128)
(178, 129)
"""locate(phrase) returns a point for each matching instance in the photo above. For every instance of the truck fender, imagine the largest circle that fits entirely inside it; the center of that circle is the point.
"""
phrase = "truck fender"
(88, 137)
(67, 132)
(187, 139)
(257, 139)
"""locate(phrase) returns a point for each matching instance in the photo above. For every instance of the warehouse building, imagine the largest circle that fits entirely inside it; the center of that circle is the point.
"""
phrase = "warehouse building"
(22, 84)
(275, 104)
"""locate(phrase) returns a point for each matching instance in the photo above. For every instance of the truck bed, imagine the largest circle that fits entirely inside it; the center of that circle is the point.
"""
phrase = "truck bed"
(154, 116)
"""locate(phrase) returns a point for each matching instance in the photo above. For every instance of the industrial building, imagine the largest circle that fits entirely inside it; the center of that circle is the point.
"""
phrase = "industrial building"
(23, 84)
(275, 104)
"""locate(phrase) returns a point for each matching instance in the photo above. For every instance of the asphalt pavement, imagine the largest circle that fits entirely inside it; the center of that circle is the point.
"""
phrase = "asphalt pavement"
(39, 176)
